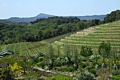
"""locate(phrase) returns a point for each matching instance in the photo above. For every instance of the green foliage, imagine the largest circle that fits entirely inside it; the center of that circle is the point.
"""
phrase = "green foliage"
(70, 69)
(41, 29)
(58, 62)
(117, 77)
(93, 71)
(41, 64)
(113, 16)
(51, 56)
(41, 59)
(5, 74)
(15, 68)
(104, 49)
(82, 65)
(116, 72)
(85, 75)
(59, 77)
(86, 51)
(31, 75)
(81, 25)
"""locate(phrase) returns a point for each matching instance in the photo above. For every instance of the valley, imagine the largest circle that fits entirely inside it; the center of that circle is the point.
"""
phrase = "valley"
(61, 48)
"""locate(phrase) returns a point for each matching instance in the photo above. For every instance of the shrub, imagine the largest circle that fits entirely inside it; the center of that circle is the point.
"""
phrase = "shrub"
(82, 65)
(59, 77)
(86, 51)
(85, 75)
(58, 63)
(70, 69)
(40, 58)
(32, 75)
(92, 71)
(41, 64)
(117, 77)
(41, 54)
(62, 69)
(116, 72)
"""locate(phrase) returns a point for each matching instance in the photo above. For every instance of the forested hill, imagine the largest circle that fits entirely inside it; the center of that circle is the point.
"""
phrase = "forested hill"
(42, 15)
(113, 16)
(42, 29)
(45, 28)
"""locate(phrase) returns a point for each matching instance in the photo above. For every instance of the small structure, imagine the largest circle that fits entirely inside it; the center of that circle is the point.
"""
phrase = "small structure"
(5, 53)
(1, 56)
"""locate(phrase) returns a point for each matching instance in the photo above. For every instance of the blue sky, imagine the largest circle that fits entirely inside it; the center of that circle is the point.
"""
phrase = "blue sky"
(29, 8)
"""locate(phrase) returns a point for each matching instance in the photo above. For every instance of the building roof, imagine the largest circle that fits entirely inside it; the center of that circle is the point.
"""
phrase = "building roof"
(6, 52)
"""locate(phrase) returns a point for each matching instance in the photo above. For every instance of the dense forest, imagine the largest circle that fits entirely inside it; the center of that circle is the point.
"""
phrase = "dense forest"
(42, 29)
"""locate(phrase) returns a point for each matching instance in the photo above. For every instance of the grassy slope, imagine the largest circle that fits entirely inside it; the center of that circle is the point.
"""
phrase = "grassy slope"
(27, 48)
(95, 35)
(91, 37)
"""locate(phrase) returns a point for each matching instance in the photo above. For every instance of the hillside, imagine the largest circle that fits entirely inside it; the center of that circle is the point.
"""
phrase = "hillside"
(28, 19)
(62, 55)
(93, 36)
(42, 29)
(42, 15)
(61, 48)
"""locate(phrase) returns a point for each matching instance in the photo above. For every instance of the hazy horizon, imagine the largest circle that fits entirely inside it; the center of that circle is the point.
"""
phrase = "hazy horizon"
(31, 8)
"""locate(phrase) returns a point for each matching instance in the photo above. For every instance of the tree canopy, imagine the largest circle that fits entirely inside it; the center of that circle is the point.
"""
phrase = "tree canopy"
(113, 16)
(40, 29)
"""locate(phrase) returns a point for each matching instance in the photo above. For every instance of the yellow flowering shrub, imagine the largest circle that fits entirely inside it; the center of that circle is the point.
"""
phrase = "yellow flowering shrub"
(15, 68)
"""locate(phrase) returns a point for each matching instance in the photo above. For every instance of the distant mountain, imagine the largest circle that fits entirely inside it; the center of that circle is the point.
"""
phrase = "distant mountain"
(29, 19)
(42, 15)
(101, 17)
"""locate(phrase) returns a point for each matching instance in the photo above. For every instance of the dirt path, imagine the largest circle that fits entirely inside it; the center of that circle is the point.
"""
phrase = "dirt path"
(50, 73)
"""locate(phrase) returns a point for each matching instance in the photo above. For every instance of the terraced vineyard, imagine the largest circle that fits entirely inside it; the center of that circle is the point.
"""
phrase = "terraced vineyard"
(91, 37)
(95, 35)
(26, 48)
(29, 48)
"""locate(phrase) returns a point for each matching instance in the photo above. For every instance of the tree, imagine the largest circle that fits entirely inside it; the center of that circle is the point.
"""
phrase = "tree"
(113, 16)
(51, 56)
(40, 35)
(58, 50)
(81, 25)
(104, 49)
(30, 37)
(67, 52)
(95, 22)
(75, 58)
(86, 51)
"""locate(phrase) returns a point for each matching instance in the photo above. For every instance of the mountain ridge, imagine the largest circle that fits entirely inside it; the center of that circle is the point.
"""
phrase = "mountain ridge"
(42, 15)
